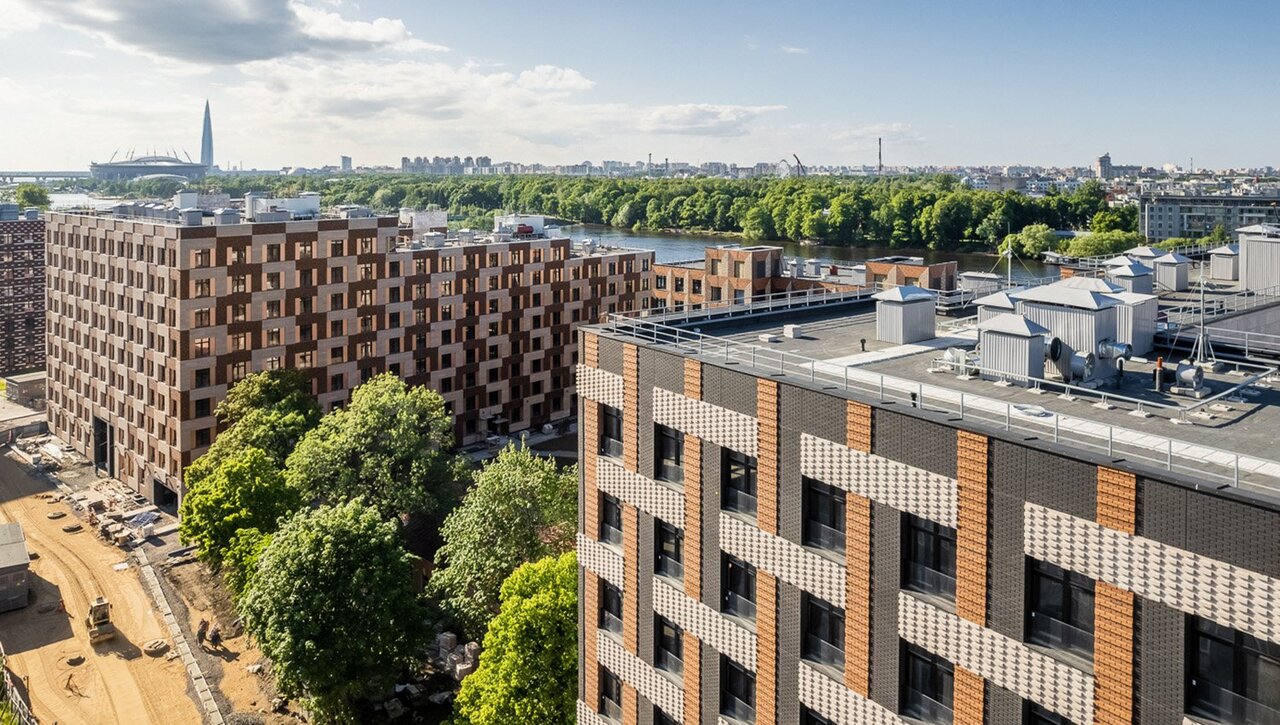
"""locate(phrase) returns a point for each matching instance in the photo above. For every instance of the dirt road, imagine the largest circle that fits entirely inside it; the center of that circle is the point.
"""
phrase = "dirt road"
(68, 680)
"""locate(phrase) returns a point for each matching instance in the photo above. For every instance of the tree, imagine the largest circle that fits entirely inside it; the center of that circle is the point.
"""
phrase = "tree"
(1100, 243)
(529, 665)
(331, 605)
(1115, 219)
(31, 195)
(240, 560)
(245, 491)
(284, 388)
(520, 508)
(1032, 241)
(390, 446)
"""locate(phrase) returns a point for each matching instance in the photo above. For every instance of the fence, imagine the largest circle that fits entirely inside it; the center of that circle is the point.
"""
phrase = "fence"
(11, 696)
(1204, 462)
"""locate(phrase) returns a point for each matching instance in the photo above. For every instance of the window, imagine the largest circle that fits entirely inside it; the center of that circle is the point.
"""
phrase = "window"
(202, 378)
(610, 607)
(610, 431)
(823, 627)
(737, 691)
(667, 646)
(204, 437)
(611, 521)
(809, 717)
(660, 282)
(610, 695)
(738, 581)
(670, 550)
(204, 407)
(1060, 608)
(669, 452)
(1232, 677)
(1034, 714)
(738, 483)
(929, 557)
(926, 685)
(823, 515)
(661, 718)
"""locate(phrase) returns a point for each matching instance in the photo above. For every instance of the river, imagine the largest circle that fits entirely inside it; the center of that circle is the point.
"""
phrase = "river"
(679, 247)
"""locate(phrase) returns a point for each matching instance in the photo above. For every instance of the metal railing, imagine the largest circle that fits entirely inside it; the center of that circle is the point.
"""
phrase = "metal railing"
(11, 696)
(1057, 634)
(1226, 706)
(1219, 305)
(819, 650)
(757, 304)
(1187, 250)
(1196, 460)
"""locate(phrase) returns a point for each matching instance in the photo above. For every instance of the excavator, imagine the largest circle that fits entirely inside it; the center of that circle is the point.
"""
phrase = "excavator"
(99, 621)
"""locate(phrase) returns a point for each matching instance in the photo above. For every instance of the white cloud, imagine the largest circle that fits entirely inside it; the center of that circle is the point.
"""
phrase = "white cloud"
(550, 79)
(17, 17)
(793, 50)
(77, 53)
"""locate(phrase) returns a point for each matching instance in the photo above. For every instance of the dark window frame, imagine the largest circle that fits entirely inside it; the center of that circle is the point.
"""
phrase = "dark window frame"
(823, 507)
(927, 685)
(1033, 713)
(737, 691)
(928, 551)
(737, 587)
(1245, 697)
(610, 694)
(668, 454)
(610, 431)
(1069, 630)
(668, 650)
(668, 549)
(610, 616)
(821, 622)
(610, 520)
(738, 482)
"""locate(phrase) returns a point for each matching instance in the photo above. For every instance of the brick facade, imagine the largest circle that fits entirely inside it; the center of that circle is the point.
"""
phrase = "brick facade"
(22, 298)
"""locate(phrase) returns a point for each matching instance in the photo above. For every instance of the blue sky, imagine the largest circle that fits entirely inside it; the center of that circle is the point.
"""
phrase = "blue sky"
(979, 82)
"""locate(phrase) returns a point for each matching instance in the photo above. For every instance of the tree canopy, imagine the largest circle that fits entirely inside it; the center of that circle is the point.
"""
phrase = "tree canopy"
(1032, 241)
(240, 560)
(519, 508)
(331, 604)
(529, 663)
(1100, 243)
(286, 389)
(246, 490)
(31, 195)
(390, 447)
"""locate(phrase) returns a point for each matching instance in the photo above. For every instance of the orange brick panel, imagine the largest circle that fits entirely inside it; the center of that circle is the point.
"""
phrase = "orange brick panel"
(967, 698)
(693, 517)
(590, 494)
(591, 349)
(767, 459)
(630, 705)
(692, 653)
(630, 578)
(971, 527)
(590, 612)
(858, 425)
(857, 616)
(692, 379)
(631, 408)
(766, 648)
(1113, 655)
(1118, 500)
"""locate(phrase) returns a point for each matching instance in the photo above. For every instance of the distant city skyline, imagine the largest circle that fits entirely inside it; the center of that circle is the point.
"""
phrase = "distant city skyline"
(300, 82)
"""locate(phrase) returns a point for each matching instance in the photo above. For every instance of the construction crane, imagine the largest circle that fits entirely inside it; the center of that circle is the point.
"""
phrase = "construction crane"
(800, 170)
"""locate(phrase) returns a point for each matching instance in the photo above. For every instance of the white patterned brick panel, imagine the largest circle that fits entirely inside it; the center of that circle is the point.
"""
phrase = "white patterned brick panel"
(838, 703)
(1229, 595)
(601, 559)
(601, 386)
(786, 560)
(1002, 660)
(587, 716)
(709, 626)
(657, 687)
(721, 426)
(646, 494)
(905, 488)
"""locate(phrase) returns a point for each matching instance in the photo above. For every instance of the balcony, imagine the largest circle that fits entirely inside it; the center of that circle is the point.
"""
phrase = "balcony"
(922, 707)
(1211, 702)
(610, 622)
(670, 472)
(822, 536)
(923, 579)
(669, 567)
(739, 501)
(735, 709)
(611, 447)
(822, 652)
(739, 606)
(1056, 634)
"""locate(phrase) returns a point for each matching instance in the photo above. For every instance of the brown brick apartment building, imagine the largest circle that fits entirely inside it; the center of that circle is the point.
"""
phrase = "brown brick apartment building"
(151, 321)
(21, 291)
(765, 539)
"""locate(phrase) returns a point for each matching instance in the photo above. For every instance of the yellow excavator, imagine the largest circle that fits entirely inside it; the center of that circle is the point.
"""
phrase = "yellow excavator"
(99, 621)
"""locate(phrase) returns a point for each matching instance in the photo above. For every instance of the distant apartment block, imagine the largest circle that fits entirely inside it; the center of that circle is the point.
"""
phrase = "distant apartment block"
(1163, 216)
(21, 290)
(152, 320)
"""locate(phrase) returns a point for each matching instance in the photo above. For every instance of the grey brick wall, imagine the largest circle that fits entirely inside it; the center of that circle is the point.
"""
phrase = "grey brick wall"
(645, 418)
(1062, 484)
(583, 631)
(644, 603)
(788, 653)
(610, 355)
(1160, 660)
(886, 569)
(710, 684)
(915, 442)
(729, 389)
(1234, 532)
(668, 370)
(711, 524)
(1007, 561)
(1162, 512)
(646, 710)
(1002, 707)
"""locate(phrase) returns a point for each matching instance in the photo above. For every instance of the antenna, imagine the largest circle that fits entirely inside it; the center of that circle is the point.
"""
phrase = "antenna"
(879, 155)
(1202, 351)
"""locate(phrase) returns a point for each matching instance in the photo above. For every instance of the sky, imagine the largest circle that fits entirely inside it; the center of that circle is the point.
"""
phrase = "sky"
(299, 82)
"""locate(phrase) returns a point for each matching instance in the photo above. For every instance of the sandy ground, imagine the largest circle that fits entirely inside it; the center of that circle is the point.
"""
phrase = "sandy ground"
(115, 682)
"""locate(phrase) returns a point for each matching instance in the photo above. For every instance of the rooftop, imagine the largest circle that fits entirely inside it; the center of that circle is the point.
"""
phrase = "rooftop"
(1225, 440)
(13, 547)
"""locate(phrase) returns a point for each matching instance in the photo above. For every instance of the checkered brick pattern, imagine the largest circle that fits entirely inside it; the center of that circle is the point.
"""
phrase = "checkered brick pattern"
(654, 498)
(709, 626)
(22, 295)
(894, 484)
(1004, 661)
(653, 685)
(588, 716)
(1189, 582)
(599, 385)
(786, 560)
(601, 559)
(721, 426)
(834, 701)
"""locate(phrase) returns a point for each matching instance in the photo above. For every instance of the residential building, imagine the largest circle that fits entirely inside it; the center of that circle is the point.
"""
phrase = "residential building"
(152, 319)
(829, 536)
(21, 290)
(1174, 214)
(1102, 167)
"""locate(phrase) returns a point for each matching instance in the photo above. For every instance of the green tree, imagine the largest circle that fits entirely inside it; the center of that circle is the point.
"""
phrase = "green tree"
(31, 195)
(528, 669)
(240, 560)
(1032, 241)
(391, 446)
(519, 508)
(1115, 219)
(1100, 243)
(1218, 235)
(283, 388)
(332, 606)
(245, 491)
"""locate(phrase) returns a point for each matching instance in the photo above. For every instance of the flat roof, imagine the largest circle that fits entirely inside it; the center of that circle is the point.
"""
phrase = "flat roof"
(1216, 443)
(13, 547)
(22, 378)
